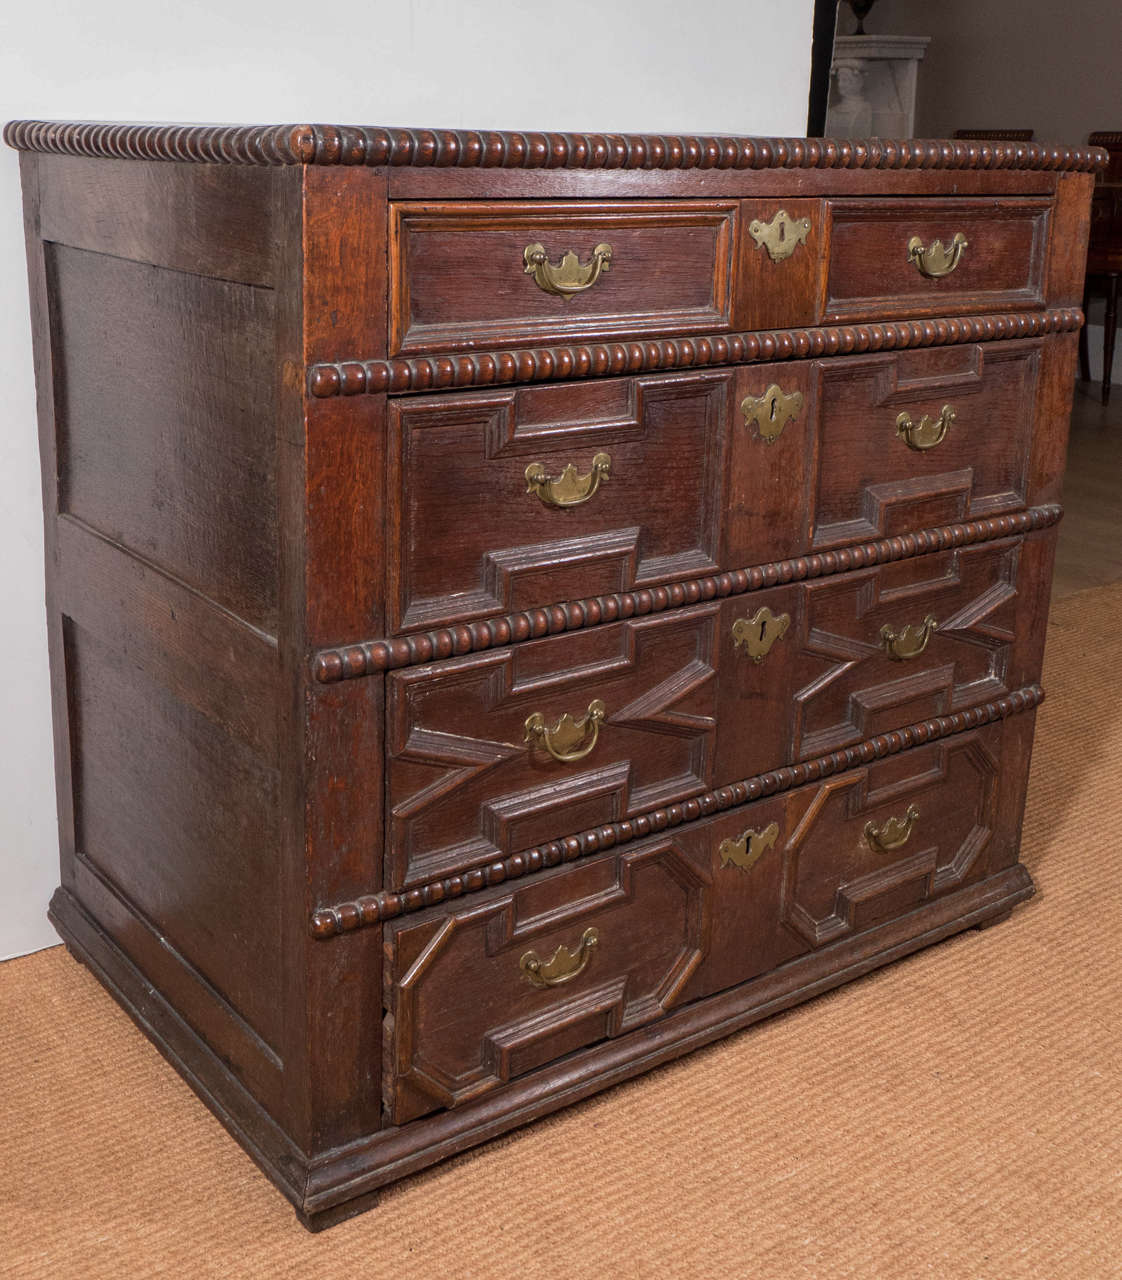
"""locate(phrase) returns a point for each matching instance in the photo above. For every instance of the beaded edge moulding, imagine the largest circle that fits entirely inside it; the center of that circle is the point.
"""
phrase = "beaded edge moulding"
(324, 144)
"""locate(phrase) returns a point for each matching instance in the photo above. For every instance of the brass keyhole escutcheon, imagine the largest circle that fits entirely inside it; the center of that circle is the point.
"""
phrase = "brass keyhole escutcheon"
(781, 236)
(771, 412)
(746, 851)
(569, 276)
(757, 634)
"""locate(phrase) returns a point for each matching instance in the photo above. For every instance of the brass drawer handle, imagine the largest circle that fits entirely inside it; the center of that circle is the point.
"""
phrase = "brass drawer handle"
(568, 277)
(893, 834)
(935, 260)
(568, 489)
(563, 966)
(771, 412)
(569, 739)
(927, 432)
(781, 236)
(747, 851)
(909, 641)
(757, 634)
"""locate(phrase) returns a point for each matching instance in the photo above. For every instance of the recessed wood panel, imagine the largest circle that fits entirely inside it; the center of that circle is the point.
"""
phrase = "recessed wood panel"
(165, 400)
(870, 275)
(464, 786)
(180, 819)
(875, 843)
(460, 281)
(870, 483)
(468, 538)
(465, 1016)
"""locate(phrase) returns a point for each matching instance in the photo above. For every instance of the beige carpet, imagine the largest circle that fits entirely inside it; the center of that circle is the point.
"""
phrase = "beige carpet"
(956, 1115)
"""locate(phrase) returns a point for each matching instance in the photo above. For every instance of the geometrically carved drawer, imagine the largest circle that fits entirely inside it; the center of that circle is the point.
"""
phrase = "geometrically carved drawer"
(516, 498)
(481, 995)
(628, 721)
(653, 710)
(922, 438)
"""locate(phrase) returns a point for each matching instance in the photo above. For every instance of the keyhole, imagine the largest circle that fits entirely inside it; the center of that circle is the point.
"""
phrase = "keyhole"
(763, 629)
(773, 409)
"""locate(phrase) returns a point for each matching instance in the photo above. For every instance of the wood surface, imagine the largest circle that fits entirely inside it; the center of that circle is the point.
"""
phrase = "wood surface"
(871, 276)
(459, 278)
(327, 144)
(301, 604)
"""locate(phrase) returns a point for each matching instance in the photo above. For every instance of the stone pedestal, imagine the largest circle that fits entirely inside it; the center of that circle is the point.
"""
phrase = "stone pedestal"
(873, 87)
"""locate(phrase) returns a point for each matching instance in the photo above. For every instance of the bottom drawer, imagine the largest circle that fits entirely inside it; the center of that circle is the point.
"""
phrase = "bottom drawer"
(484, 992)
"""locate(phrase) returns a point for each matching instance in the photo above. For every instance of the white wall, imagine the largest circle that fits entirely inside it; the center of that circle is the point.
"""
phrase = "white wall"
(629, 66)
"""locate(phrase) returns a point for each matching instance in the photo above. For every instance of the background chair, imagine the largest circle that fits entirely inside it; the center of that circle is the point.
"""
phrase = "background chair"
(995, 135)
(1104, 255)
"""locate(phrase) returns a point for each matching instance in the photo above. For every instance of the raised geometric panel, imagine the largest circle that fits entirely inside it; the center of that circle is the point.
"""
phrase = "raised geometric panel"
(858, 689)
(869, 483)
(465, 787)
(467, 538)
(464, 1017)
(839, 880)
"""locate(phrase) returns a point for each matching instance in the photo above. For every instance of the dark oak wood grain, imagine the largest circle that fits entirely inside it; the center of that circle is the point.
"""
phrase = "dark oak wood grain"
(460, 279)
(327, 144)
(871, 274)
(360, 728)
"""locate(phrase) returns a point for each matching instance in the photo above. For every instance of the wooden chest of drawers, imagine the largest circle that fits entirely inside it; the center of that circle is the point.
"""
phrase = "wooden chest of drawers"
(522, 606)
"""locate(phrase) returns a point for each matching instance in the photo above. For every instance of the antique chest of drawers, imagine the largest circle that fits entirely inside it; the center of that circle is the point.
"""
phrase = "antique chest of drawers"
(522, 606)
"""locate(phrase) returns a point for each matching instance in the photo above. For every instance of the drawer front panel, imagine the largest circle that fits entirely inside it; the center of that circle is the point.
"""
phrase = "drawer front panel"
(522, 498)
(875, 843)
(885, 262)
(481, 995)
(851, 656)
(922, 438)
(626, 718)
(485, 994)
(652, 710)
(466, 275)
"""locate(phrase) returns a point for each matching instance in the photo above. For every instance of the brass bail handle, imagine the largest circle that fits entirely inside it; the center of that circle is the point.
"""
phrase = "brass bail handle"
(936, 259)
(563, 966)
(910, 641)
(569, 739)
(927, 432)
(569, 276)
(569, 489)
(893, 833)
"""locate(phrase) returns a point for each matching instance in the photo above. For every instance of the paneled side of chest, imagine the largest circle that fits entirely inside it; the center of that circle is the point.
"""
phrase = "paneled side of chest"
(511, 627)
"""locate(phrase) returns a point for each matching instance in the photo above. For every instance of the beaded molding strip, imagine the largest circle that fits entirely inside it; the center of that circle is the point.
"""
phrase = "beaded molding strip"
(373, 656)
(370, 909)
(277, 144)
(611, 359)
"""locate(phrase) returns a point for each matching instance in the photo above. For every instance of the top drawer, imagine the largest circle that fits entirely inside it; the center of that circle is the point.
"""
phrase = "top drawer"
(890, 258)
(486, 274)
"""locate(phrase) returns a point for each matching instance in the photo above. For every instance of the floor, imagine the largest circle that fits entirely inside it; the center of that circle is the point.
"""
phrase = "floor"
(1090, 546)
